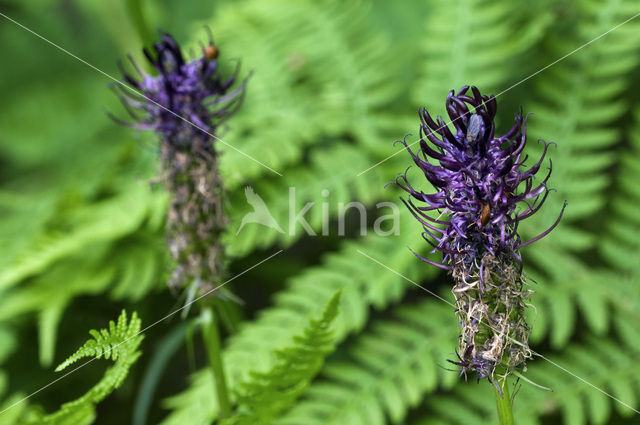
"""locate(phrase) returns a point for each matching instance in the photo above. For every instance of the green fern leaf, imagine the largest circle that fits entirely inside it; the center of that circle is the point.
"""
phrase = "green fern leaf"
(384, 372)
(566, 286)
(119, 343)
(364, 285)
(297, 98)
(578, 103)
(460, 47)
(266, 394)
(621, 246)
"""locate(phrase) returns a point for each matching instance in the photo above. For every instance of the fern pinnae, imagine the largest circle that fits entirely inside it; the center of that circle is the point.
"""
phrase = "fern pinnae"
(119, 343)
(283, 49)
(461, 45)
(596, 76)
(620, 246)
(105, 342)
(265, 395)
(363, 287)
(569, 290)
(386, 372)
(103, 221)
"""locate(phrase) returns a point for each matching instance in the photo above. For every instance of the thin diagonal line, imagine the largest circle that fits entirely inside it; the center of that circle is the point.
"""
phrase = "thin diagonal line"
(143, 330)
(517, 342)
(582, 379)
(585, 381)
(513, 86)
(406, 278)
(137, 92)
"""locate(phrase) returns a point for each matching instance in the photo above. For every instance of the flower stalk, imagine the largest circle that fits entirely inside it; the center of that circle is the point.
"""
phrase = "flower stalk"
(503, 403)
(213, 347)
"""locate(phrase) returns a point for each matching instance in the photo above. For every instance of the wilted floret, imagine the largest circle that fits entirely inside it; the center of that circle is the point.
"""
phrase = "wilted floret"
(184, 105)
(479, 180)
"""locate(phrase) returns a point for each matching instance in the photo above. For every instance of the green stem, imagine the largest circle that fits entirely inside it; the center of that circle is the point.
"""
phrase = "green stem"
(212, 343)
(505, 415)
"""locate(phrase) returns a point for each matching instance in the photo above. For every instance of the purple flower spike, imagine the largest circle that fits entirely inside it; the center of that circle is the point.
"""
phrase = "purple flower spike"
(480, 180)
(185, 96)
(185, 104)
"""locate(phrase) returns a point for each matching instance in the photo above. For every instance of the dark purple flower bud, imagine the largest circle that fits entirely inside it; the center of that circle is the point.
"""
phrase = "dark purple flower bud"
(480, 181)
(185, 104)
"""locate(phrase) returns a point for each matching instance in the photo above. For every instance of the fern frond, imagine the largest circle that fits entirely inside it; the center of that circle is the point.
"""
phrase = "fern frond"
(580, 99)
(322, 183)
(620, 244)
(130, 266)
(107, 342)
(565, 286)
(119, 343)
(296, 97)
(364, 285)
(266, 394)
(90, 223)
(388, 370)
(461, 46)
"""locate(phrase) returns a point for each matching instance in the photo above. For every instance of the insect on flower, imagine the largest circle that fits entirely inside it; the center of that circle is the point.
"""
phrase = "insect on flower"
(211, 52)
(485, 213)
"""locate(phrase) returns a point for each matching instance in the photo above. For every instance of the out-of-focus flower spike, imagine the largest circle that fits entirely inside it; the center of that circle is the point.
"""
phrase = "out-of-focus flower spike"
(185, 105)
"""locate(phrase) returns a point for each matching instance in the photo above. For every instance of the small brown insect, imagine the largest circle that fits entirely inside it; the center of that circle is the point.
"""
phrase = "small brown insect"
(211, 52)
(485, 212)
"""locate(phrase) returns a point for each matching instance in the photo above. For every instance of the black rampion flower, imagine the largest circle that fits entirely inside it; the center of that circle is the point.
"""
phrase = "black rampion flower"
(184, 105)
(185, 96)
(479, 180)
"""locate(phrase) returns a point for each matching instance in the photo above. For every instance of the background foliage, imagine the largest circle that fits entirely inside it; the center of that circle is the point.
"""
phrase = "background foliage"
(334, 83)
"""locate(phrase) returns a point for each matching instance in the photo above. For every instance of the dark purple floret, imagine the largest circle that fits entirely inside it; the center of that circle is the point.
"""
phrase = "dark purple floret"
(184, 105)
(480, 180)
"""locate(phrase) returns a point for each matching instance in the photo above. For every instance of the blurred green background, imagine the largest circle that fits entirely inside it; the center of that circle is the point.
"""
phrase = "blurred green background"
(334, 84)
